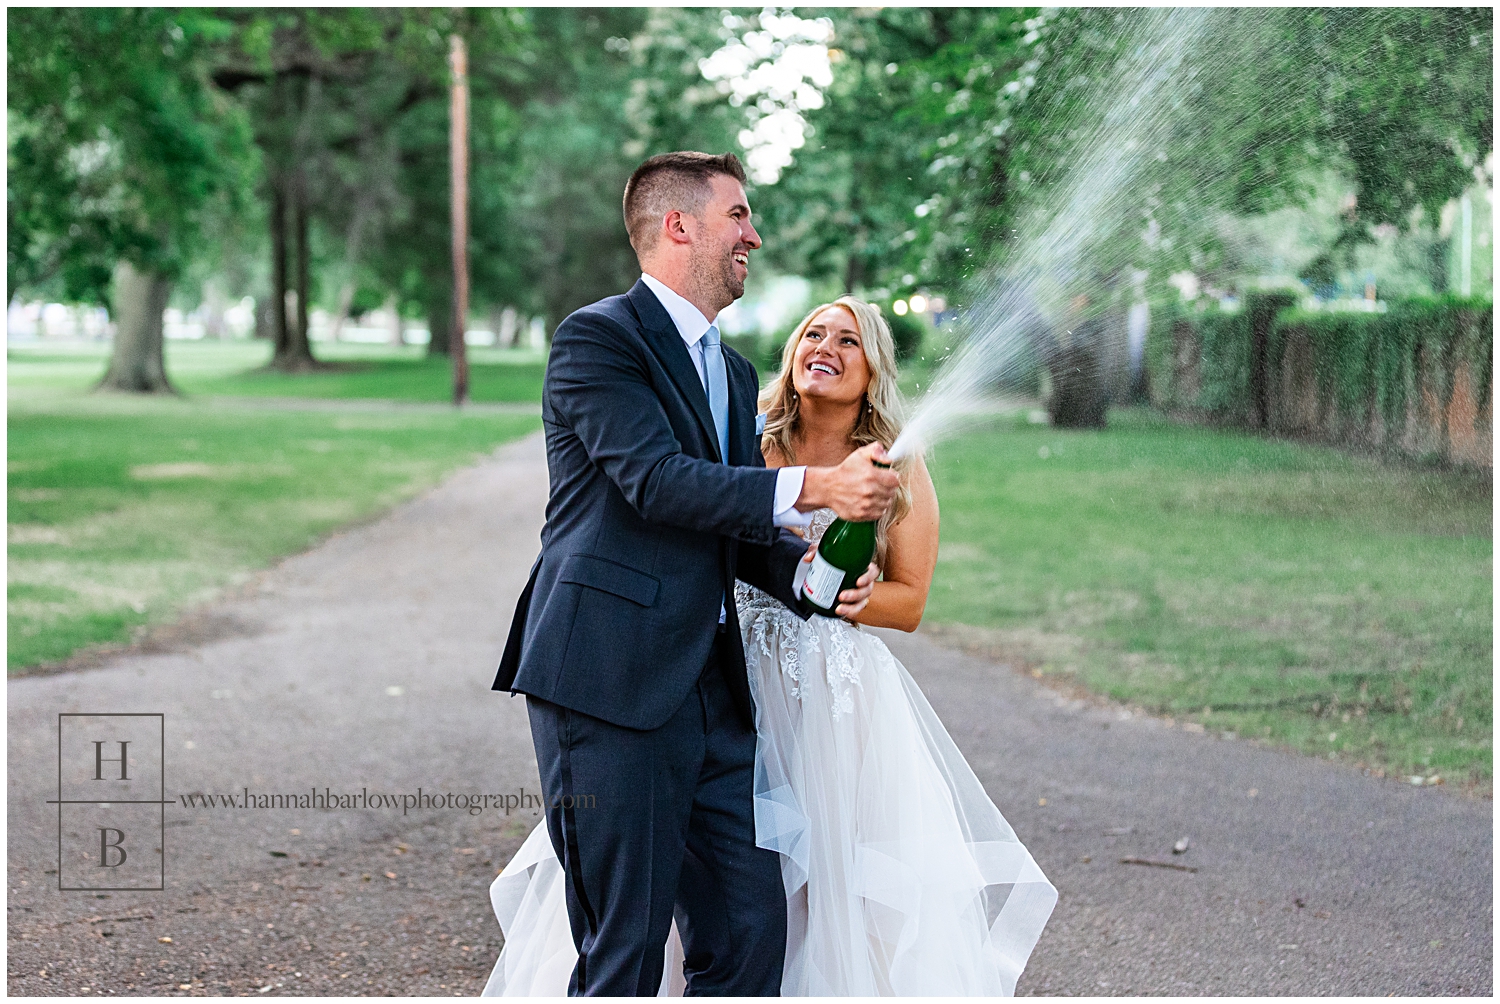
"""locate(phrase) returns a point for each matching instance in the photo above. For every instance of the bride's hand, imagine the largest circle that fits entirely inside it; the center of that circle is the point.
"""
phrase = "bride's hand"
(851, 601)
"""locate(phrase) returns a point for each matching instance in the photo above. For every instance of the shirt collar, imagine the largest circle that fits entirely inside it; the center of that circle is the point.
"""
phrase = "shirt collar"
(691, 324)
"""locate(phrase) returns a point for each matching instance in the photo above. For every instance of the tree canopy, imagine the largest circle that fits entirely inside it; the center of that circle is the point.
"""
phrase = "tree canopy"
(971, 115)
(120, 148)
(915, 142)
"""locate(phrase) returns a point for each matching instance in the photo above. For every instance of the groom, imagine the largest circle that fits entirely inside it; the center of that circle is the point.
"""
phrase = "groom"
(626, 640)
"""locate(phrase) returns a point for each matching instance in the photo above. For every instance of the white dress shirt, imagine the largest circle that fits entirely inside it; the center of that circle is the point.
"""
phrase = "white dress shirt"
(691, 325)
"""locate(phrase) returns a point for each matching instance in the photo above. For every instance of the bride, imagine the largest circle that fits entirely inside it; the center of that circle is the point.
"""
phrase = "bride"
(901, 876)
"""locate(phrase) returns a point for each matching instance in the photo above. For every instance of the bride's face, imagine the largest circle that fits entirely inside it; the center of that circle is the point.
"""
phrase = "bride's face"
(829, 362)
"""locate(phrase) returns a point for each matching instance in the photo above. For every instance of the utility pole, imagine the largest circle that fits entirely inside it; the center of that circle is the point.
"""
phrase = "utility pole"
(458, 156)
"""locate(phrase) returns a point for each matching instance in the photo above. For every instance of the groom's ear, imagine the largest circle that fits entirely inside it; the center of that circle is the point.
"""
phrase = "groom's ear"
(675, 227)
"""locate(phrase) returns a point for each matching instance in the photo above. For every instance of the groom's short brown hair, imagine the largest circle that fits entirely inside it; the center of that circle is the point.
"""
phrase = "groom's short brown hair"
(671, 181)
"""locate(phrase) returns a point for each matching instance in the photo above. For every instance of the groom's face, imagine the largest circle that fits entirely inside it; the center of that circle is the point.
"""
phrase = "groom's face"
(723, 242)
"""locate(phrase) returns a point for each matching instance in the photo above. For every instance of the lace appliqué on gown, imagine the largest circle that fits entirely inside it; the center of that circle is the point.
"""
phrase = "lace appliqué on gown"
(765, 620)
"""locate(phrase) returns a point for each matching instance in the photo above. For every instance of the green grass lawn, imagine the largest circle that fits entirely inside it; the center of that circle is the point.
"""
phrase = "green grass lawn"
(122, 510)
(1327, 602)
(234, 369)
(1331, 603)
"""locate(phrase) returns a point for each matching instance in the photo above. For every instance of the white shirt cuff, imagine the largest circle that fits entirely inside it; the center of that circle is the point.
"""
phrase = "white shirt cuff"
(788, 490)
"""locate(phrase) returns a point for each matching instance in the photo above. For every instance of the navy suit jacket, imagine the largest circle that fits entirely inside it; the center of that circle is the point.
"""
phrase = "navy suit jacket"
(646, 528)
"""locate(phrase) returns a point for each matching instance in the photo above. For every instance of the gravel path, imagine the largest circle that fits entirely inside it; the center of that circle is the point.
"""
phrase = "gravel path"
(366, 662)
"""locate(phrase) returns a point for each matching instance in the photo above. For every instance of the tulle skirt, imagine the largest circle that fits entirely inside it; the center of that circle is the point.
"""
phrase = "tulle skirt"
(902, 877)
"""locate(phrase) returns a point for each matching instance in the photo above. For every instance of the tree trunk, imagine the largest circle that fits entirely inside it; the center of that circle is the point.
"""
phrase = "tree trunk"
(439, 319)
(303, 344)
(1262, 308)
(295, 354)
(136, 362)
(281, 337)
(853, 271)
(458, 188)
(214, 303)
(1260, 331)
(854, 266)
(504, 324)
(393, 305)
(1080, 399)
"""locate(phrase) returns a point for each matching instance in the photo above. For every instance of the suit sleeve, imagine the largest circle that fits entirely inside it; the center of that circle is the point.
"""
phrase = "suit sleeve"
(599, 385)
(770, 567)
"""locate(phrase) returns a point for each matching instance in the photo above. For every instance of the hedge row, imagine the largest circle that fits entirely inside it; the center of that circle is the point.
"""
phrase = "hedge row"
(1377, 360)
(1364, 364)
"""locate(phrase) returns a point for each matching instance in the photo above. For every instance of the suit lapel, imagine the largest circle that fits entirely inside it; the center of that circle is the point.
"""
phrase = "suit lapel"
(742, 390)
(665, 341)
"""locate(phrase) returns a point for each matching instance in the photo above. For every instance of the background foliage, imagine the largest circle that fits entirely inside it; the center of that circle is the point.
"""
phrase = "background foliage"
(158, 135)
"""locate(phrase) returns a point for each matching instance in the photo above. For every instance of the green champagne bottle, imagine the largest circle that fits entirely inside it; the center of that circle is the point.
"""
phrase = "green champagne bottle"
(842, 557)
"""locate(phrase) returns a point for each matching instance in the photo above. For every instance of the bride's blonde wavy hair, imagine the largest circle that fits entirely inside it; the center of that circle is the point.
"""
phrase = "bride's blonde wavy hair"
(881, 414)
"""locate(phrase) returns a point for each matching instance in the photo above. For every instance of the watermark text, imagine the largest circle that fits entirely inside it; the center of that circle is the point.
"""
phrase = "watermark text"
(474, 803)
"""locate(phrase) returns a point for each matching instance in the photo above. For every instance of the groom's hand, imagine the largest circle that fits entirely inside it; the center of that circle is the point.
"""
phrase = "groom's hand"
(856, 490)
(851, 601)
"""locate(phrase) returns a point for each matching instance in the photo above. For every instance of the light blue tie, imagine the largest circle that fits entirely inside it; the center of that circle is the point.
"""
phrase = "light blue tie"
(716, 382)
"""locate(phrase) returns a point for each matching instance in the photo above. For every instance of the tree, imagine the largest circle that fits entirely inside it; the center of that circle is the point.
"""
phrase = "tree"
(828, 214)
(944, 128)
(551, 149)
(579, 136)
(1262, 103)
(1396, 101)
(1410, 95)
(413, 256)
(326, 90)
(843, 209)
(404, 237)
(136, 361)
(118, 150)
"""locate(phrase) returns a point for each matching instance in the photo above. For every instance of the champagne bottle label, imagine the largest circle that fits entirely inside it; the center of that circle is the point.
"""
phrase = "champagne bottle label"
(823, 582)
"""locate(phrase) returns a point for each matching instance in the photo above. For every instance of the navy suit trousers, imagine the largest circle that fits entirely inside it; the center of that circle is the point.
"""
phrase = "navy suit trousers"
(654, 823)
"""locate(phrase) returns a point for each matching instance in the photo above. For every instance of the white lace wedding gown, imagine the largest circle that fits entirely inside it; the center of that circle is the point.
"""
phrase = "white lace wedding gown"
(902, 877)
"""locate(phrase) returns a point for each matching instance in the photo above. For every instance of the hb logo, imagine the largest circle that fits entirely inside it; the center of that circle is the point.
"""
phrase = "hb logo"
(111, 802)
